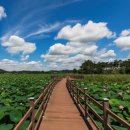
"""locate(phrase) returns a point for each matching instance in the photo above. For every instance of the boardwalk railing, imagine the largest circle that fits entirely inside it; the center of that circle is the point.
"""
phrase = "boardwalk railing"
(37, 108)
(83, 99)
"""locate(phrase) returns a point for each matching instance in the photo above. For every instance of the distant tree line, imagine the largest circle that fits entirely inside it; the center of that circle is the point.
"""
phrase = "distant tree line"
(88, 67)
(117, 66)
(37, 72)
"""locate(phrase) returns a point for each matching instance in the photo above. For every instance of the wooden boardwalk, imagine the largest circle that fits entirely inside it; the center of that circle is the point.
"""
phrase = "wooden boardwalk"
(61, 112)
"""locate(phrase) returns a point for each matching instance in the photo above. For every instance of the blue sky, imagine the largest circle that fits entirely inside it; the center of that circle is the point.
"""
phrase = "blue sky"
(61, 34)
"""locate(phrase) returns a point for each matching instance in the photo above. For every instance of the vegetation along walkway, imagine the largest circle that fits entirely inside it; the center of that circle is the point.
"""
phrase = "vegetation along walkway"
(61, 112)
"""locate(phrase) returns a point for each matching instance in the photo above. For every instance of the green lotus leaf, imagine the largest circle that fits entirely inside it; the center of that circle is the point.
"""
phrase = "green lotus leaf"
(2, 114)
(114, 101)
(15, 116)
(118, 127)
(6, 127)
(128, 118)
(25, 125)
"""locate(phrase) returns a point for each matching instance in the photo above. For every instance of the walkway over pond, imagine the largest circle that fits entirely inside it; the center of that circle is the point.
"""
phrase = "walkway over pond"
(61, 112)
(65, 106)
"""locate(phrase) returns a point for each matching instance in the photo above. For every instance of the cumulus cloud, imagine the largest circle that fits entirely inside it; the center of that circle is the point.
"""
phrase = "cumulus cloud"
(16, 45)
(123, 41)
(11, 65)
(2, 13)
(90, 50)
(60, 49)
(69, 60)
(107, 54)
(125, 32)
(69, 48)
(85, 33)
(65, 62)
(53, 58)
(81, 45)
(24, 57)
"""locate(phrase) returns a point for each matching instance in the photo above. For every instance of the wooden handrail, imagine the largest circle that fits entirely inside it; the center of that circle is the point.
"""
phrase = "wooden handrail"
(95, 102)
(75, 92)
(23, 119)
(43, 98)
(120, 120)
(39, 120)
(40, 108)
(95, 113)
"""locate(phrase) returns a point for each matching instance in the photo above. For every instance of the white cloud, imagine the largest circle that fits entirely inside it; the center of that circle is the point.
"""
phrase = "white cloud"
(70, 59)
(66, 62)
(90, 50)
(107, 54)
(53, 58)
(81, 46)
(45, 29)
(2, 13)
(123, 41)
(70, 48)
(89, 32)
(125, 32)
(60, 49)
(16, 45)
(11, 65)
(24, 57)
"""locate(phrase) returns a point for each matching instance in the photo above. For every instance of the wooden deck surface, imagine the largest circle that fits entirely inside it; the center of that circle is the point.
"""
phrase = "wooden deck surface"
(61, 112)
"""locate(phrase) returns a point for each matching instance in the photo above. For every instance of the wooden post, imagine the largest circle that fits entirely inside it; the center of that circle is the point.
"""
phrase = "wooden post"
(85, 100)
(68, 85)
(50, 89)
(77, 95)
(31, 102)
(72, 92)
(105, 114)
(43, 92)
(43, 99)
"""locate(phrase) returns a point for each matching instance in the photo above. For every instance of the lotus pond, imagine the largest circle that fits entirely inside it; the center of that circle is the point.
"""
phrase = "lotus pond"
(114, 87)
(15, 89)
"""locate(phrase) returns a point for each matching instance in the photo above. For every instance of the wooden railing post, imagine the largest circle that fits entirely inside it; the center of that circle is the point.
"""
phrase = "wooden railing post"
(43, 99)
(69, 86)
(105, 114)
(85, 100)
(72, 90)
(31, 102)
(52, 87)
(78, 95)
